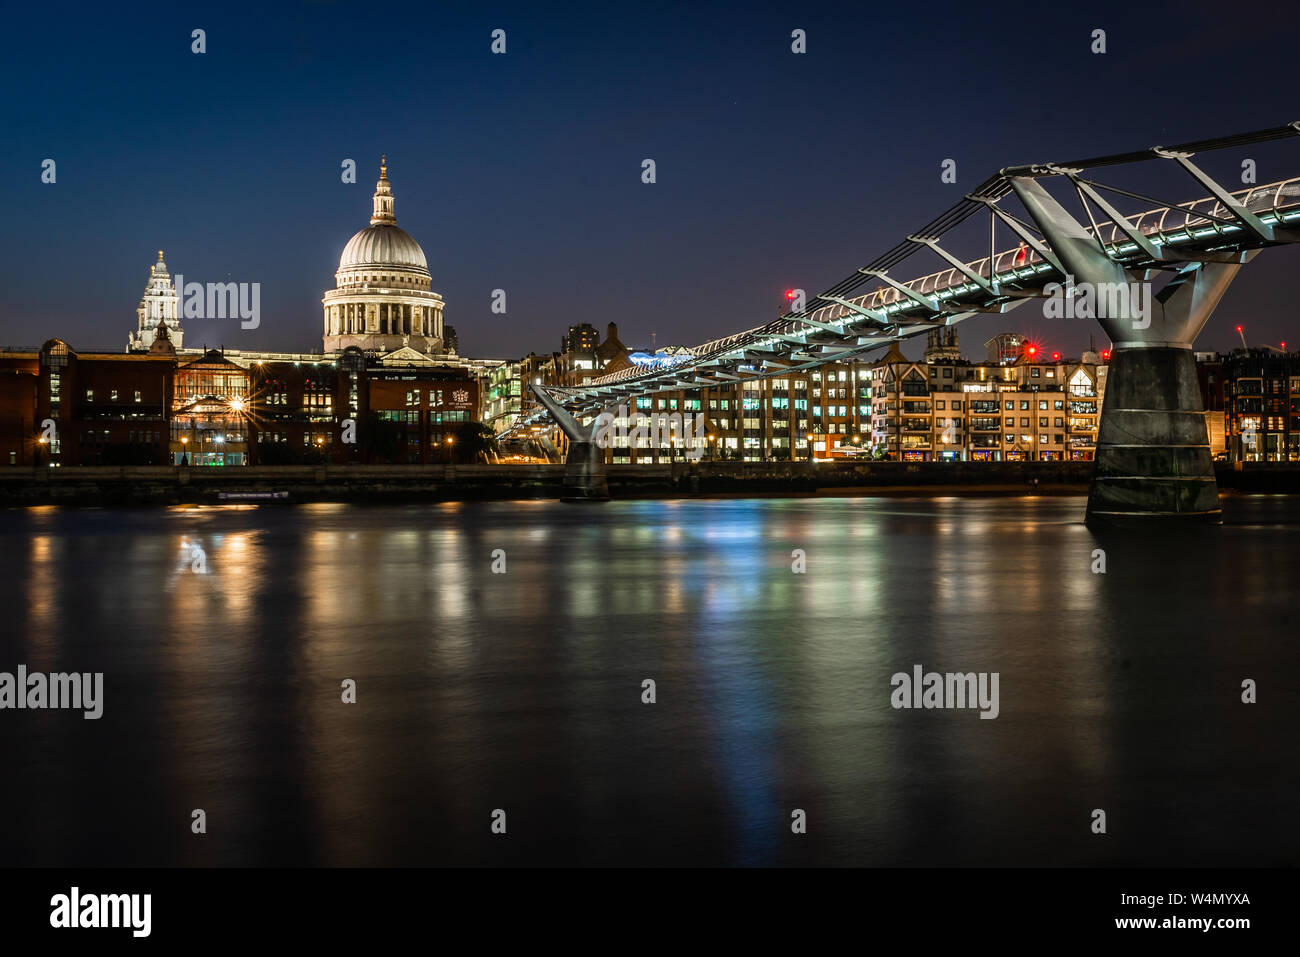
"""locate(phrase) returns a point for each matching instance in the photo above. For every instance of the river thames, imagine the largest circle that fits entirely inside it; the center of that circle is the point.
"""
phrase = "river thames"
(499, 652)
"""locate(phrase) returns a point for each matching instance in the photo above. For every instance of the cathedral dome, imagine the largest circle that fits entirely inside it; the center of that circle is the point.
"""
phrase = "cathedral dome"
(382, 298)
(384, 245)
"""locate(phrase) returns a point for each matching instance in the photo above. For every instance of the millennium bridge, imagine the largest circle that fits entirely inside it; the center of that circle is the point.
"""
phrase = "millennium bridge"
(1153, 458)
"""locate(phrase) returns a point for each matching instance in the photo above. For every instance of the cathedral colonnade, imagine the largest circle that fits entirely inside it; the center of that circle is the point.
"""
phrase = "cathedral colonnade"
(386, 317)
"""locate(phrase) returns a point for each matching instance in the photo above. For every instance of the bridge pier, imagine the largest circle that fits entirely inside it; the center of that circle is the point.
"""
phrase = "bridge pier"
(584, 474)
(584, 466)
(1153, 449)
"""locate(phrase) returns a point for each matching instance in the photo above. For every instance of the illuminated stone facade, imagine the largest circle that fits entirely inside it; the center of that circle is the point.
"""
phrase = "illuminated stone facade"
(157, 307)
(382, 300)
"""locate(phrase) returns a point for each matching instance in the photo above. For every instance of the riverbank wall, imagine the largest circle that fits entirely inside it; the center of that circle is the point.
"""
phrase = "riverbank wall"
(168, 485)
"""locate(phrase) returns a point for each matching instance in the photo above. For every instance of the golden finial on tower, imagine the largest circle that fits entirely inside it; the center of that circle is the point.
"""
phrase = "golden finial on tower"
(160, 255)
(383, 167)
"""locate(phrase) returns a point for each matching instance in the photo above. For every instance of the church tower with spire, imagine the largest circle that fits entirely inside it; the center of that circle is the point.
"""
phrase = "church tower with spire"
(158, 305)
(941, 345)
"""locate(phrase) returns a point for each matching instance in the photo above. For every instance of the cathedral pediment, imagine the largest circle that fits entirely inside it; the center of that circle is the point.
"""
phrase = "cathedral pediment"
(405, 356)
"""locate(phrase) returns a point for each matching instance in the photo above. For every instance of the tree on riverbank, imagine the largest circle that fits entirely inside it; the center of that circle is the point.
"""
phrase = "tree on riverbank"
(475, 442)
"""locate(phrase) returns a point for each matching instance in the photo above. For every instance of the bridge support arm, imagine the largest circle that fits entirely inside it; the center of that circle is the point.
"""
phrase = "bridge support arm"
(584, 466)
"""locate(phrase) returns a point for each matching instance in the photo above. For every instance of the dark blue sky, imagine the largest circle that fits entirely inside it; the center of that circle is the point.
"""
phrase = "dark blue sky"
(522, 171)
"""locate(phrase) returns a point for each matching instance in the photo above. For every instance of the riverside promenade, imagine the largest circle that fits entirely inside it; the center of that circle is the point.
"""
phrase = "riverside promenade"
(287, 484)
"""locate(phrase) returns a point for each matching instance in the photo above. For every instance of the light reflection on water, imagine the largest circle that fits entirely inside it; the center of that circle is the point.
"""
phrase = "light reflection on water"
(523, 691)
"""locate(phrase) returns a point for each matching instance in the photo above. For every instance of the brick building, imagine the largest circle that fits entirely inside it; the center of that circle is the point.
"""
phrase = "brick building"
(62, 407)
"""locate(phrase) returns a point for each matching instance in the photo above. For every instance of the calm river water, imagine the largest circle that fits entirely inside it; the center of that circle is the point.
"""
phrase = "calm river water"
(225, 635)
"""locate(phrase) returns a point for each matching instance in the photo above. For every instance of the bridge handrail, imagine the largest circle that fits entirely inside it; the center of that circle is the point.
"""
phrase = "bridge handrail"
(946, 279)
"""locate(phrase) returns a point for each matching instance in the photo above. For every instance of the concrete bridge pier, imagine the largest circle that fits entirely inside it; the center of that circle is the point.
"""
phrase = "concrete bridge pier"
(584, 467)
(1153, 452)
(584, 474)
(1153, 448)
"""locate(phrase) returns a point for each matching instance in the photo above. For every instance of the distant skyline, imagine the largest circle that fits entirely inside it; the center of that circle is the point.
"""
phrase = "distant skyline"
(522, 171)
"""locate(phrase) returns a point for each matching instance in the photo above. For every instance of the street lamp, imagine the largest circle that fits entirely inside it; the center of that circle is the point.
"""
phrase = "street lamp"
(809, 439)
(185, 441)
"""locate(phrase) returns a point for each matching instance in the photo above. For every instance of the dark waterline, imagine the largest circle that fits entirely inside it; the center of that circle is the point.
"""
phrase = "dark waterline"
(522, 691)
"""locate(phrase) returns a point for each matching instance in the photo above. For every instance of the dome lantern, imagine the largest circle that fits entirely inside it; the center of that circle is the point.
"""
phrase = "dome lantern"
(383, 197)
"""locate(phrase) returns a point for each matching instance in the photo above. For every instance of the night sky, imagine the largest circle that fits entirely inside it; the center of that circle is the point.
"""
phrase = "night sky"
(523, 171)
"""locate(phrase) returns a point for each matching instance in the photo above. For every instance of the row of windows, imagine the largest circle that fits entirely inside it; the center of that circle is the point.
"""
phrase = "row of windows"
(1254, 386)
(1009, 437)
(90, 393)
(96, 437)
(413, 417)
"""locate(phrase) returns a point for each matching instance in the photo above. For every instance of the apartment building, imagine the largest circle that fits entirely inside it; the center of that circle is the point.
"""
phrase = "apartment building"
(1261, 397)
(938, 408)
